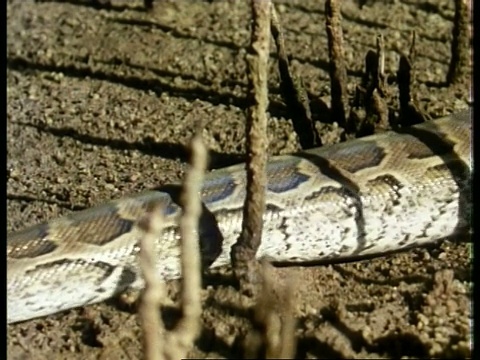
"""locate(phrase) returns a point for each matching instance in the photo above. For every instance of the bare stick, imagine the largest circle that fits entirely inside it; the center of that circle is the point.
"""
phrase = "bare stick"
(460, 62)
(293, 91)
(338, 71)
(181, 338)
(371, 95)
(381, 64)
(378, 107)
(150, 227)
(188, 328)
(273, 333)
(243, 252)
(278, 317)
(409, 113)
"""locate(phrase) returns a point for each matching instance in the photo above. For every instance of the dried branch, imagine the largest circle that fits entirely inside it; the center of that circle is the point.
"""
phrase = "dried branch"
(180, 339)
(409, 113)
(378, 108)
(371, 95)
(279, 320)
(188, 328)
(273, 336)
(460, 62)
(338, 71)
(293, 91)
(150, 227)
(244, 251)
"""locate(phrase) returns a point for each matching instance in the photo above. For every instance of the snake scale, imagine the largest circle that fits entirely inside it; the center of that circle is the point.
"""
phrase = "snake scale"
(365, 197)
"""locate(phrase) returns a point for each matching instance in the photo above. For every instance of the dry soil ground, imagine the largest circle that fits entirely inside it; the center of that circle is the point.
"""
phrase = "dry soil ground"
(101, 103)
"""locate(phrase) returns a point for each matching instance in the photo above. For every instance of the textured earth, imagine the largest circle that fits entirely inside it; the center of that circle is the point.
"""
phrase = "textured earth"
(101, 103)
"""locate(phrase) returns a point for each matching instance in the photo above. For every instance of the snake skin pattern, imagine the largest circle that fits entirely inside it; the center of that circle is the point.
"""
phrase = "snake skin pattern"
(361, 198)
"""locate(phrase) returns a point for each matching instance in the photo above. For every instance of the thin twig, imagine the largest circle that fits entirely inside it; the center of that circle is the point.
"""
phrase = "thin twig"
(377, 111)
(273, 333)
(188, 328)
(243, 252)
(150, 227)
(278, 317)
(460, 62)
(293, 91)
(409, 113)
(175, 344)
(338, 71)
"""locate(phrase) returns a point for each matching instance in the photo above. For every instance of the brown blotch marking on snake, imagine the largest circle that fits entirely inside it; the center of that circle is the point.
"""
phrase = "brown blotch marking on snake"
(233, 212)
(353, 157)
(134, 208)
(346, 193)
(272, 208)
(98, 226)
(416, 149)
(63, 264)
(440, 143)
(30, 243)
(218, 188)
(209, 234)
(461, 175)
(210, 237)
(392, 185)
(455, 168)
(426, 142)
(126, 278)
(287, 175)
(348, 190)
(283, 227)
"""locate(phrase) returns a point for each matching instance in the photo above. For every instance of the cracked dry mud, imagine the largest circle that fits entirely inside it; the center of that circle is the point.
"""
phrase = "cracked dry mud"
(101, 104)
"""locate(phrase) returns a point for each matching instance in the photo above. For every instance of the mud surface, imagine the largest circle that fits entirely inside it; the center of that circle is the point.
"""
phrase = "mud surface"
(100, 105)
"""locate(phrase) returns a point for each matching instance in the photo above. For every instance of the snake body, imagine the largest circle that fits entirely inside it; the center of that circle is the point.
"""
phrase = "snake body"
(365, 197)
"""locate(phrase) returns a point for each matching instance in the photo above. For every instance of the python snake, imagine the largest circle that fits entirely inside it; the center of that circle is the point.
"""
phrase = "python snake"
(365, 197)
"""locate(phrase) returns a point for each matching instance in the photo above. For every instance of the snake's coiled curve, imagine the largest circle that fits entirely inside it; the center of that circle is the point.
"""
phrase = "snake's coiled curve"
(365, 197)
